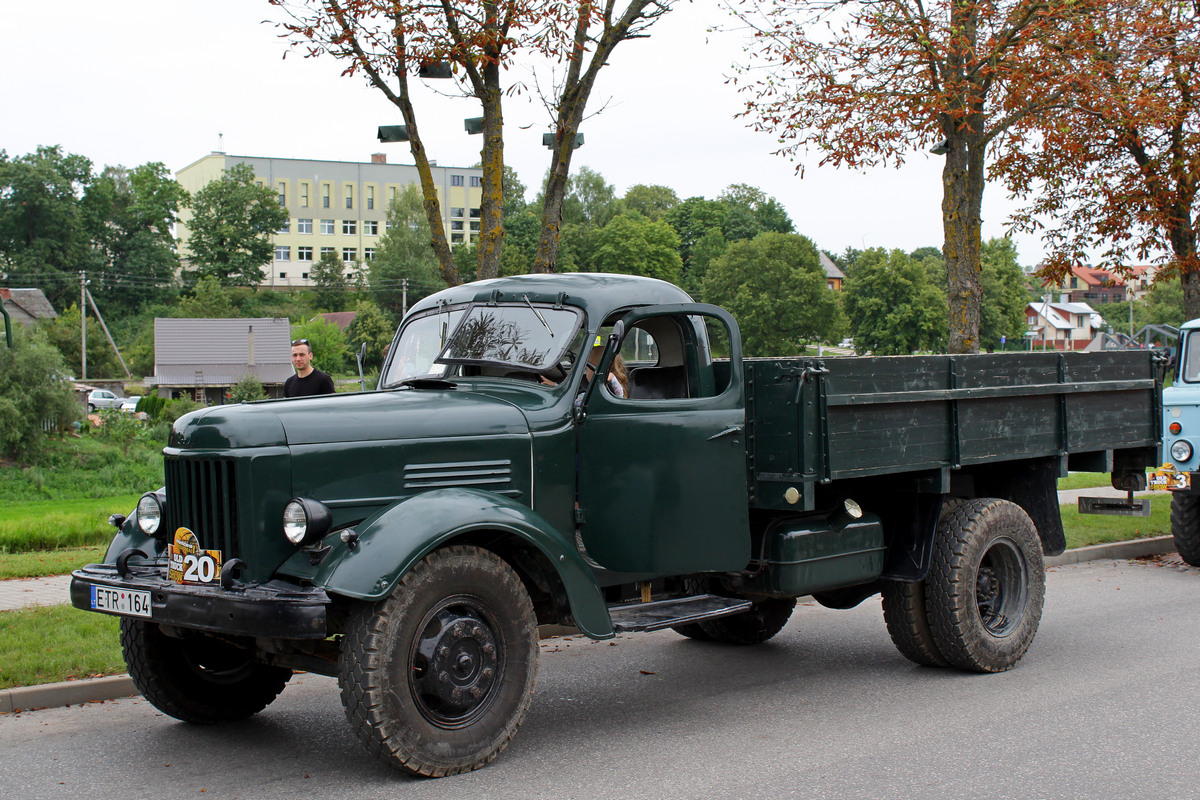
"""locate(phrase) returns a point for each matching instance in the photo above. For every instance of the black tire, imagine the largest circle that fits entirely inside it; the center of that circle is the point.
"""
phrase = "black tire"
(908, 624)
(197, 679)
(985, 589)
(1185, 526)
(765, 619)
(91, 408)
(436, 679)
(692, 630)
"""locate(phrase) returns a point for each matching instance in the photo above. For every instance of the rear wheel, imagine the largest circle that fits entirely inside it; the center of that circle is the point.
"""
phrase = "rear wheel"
(764, 619)
(986, 586)
(197, 678)
(436, 679)
(908, 624)
(1185, 526)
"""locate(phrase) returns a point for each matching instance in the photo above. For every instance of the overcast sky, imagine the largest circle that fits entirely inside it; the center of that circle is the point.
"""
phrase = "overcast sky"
(133, 81)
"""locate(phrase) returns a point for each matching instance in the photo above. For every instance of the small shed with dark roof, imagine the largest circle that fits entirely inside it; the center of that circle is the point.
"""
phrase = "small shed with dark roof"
(27, 306)
(203, 358)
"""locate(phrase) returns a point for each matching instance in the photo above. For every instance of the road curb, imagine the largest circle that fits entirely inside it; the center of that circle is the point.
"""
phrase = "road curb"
(67, 693)
(94, 690)
(1136, 548)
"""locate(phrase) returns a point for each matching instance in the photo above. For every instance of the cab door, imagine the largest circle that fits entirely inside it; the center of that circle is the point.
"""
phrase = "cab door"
(662, 473)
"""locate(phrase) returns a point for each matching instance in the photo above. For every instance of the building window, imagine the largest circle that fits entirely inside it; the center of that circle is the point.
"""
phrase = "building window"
(388, 225)
(476, 182)
(475, 213)
(369, 254)
(326, 189)
(370, 197)
(371, 227)
(304, 195)
(456, 180)
(282, 186)
(304, 275)
(327, 227)
(283, 252)
(327, 251)
(457, 212)
(455, 238)
(304, 226)
(349, 227)
(349, 196)
(286, 227)
(283, 276)
(304, 254)
(349, 254)
(474, 225)
(456, 225)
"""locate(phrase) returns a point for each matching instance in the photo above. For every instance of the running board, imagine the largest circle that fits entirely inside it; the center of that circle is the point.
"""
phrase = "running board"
(679, 611)
(1129, 507)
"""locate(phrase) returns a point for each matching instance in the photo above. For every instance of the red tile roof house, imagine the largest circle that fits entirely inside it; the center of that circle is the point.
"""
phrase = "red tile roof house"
(203, 358)
(1100, 286)
(1062, 325)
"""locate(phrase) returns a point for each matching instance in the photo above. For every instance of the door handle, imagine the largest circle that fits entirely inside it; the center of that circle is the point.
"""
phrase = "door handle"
(732, 430)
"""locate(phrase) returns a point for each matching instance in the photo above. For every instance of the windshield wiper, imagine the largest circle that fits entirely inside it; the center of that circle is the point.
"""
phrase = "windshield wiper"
(525, 297)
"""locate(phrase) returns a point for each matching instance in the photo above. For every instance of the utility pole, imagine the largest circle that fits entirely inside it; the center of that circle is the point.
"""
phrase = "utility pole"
(403, 296)
(83, 325)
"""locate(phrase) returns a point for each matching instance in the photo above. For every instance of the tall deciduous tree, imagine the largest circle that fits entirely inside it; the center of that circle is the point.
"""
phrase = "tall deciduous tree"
(893, 305)
(45, 236)
(328, 275)
(864, 82)
(231, 228)
(636, 246)
(391, 41)
(404, 267)
(1119, 175)
(775, 288)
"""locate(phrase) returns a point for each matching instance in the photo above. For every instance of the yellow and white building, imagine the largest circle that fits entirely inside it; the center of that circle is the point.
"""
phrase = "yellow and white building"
(337, 206)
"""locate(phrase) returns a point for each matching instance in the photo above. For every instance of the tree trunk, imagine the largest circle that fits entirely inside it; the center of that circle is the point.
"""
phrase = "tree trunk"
(491, 234)
(962, 198)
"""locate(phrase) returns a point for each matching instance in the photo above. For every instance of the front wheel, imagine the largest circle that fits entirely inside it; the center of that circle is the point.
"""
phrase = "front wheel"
(1185, 526)
(986, 586)
(437, 678)
(197, 678)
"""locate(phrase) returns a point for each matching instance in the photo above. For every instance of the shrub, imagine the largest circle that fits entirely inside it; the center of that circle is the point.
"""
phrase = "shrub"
(32, 392)
(247, 388)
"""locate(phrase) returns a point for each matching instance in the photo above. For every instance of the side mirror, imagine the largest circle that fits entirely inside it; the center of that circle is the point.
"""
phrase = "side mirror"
(362, 356)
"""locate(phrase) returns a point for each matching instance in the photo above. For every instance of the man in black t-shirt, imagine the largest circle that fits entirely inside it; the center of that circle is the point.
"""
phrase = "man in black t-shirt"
(307, 380)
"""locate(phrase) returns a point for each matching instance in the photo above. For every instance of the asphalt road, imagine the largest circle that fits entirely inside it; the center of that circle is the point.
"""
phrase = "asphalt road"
(1102, 706)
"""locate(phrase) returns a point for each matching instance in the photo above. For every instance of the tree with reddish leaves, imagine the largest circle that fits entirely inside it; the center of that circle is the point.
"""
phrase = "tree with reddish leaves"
(391, 41)
(1117, 176)
(869, 82)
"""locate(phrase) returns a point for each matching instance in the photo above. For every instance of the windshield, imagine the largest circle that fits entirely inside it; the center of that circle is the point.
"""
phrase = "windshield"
(420, 342)
(523, 337)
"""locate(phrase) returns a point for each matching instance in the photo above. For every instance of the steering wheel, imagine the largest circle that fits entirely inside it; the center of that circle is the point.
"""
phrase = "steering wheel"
(559, 372)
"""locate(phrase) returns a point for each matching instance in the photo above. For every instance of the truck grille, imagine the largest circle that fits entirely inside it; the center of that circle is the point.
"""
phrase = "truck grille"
(202, 497)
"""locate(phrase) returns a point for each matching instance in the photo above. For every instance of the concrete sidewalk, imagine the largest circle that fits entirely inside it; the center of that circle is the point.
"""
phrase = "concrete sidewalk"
(27, 592)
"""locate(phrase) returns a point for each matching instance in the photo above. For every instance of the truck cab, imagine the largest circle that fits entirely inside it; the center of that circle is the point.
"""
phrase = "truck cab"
(1181, 445)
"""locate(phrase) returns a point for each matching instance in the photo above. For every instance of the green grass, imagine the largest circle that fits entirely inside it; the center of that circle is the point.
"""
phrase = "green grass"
(1088, 529)
(86, 467)
(50, 525)
(1083, 480)
(57, 643)
(43, 563)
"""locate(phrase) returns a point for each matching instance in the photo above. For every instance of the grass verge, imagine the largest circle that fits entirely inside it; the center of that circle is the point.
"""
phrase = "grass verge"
(43, 563)
(1083, 480)
(57, 643)
(1083, 530)
(49, 525)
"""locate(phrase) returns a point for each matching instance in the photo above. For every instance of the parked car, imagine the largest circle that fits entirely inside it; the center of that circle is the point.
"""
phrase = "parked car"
(103, 398)
(130, 404)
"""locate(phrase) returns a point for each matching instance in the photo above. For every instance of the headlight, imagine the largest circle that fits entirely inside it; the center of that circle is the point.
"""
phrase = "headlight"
(305, 520)
(1181, 450)
(149, 512)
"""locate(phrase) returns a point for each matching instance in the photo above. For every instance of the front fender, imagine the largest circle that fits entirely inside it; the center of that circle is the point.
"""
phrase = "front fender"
(393, 540)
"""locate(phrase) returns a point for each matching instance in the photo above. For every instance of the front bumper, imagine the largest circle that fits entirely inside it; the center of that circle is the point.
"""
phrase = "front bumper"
(276, 610)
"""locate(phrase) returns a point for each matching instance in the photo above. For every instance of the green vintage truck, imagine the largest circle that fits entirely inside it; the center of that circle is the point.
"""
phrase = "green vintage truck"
(413, 539)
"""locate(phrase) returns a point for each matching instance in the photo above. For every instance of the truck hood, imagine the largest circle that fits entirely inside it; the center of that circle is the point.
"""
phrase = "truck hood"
(369, 416)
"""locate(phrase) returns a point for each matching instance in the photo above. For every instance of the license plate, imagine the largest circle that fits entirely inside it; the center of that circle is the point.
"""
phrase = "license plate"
(129, 602)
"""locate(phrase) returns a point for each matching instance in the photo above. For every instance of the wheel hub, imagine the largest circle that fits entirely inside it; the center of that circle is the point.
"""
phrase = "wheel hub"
(455, 665)
(1000, 587)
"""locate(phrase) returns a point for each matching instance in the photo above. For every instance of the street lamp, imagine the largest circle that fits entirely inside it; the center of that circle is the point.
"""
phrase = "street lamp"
(549, 140)
(473, 125)
(393, 133)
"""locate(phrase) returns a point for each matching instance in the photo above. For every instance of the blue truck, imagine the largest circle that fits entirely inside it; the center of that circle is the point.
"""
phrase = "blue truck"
(1181, 445)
